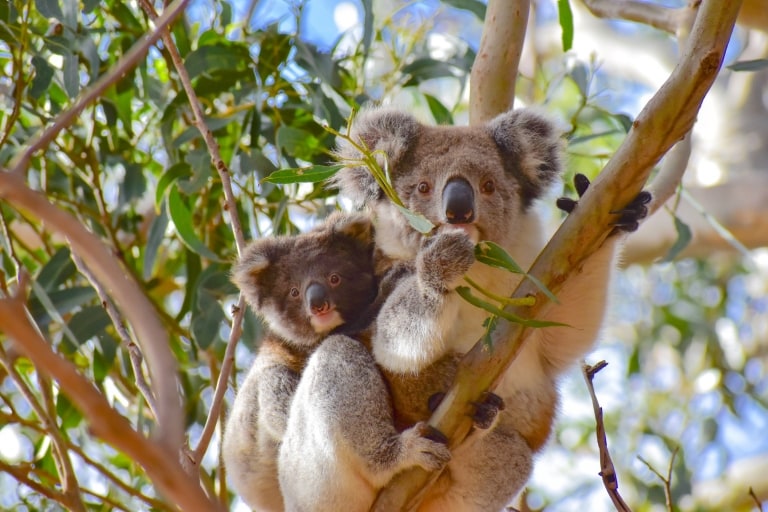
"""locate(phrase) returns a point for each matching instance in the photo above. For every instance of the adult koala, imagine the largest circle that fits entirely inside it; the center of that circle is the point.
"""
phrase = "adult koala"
(473, 183)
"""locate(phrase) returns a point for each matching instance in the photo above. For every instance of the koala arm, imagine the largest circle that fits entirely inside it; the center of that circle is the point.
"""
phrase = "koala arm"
(413, 324)
(277, 385)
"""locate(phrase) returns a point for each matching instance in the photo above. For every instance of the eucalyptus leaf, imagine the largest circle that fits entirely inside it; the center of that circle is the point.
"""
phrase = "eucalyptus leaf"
(182, 220)
(314, 174)
(466, 294)
(566, 23)
(494, 255)
(684, 236)
(416, 220)
(749, 65)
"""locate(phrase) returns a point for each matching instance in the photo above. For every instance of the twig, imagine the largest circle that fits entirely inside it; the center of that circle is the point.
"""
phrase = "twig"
(757, 501)
(157, 459)
(22, 476)
(494, 72)
(607, 470)
(134, 351)
(666, 480)
(664, 120)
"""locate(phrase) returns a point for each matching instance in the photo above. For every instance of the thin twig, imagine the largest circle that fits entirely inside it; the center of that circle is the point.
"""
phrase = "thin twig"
(660, 17)
(134, 351)
(231, 207)
(666, 480)
(757, 501)
(607, 470)
(21, 475)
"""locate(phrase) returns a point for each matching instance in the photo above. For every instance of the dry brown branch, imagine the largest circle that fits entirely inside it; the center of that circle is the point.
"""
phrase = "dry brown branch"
(665, 120)
(231, 207)
(494, 72)
(667, 481)
(607, 469)
(134, 352)
(160, 462)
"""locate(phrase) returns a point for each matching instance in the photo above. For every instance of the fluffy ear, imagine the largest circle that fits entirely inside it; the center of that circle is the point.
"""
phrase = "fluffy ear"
(388, 130)
(533, 143)
(357, 226)
(256, 258)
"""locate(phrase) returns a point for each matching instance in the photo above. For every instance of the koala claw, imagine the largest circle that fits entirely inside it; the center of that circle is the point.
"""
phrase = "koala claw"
(487, 409)
(629, 217)
(429, 445)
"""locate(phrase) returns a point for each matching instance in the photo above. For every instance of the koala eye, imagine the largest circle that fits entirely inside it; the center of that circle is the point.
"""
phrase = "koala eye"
(334, 279)
(294, 292)
(489, 187)
(423, 187)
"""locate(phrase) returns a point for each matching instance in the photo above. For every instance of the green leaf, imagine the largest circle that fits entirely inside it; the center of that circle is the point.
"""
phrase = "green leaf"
(182, 220)
(367, 25)
(206, 319)
(154, 241)
(88, 322)
(416, 220)
(49, 8)
(70, 68)
(580, 76)
(312, 174)
(466, 294)
(474, 6)
(221, 56)
(57, 270)
(57, 303)
(68, 415)
(427, 68)
(585, 138)
(179, 170)
(441, 114)
(297, 142)
(134, 184)
(566, 23)
(684, 236)
(43, 77)
(494, 255)
(749, 65)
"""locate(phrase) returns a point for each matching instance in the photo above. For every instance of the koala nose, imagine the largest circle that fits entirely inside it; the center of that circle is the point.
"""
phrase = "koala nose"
(317, 298)
(459, 201)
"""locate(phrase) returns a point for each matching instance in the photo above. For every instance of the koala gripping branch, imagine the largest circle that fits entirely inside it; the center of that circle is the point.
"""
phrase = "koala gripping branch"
(664, 120)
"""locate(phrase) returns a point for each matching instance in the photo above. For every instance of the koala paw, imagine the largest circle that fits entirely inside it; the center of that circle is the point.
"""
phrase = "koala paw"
(486, 410)
(427, 446)
(444, 258)
(629, 217)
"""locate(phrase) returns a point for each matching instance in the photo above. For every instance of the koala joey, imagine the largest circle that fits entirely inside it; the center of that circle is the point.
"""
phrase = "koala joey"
(304, 287)
(474, 183)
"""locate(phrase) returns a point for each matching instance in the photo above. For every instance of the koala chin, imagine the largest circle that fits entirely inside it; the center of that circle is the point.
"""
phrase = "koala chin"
(473, 183)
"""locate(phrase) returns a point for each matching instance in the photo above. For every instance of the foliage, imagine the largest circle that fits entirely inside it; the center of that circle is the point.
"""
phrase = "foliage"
(136, 171)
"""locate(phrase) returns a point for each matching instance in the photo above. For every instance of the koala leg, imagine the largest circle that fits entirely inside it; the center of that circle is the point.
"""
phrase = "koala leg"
(340, 444)
(484, 474)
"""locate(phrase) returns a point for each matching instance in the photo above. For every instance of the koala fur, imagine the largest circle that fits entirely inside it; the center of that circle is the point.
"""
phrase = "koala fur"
(473, 183)
(304, 287)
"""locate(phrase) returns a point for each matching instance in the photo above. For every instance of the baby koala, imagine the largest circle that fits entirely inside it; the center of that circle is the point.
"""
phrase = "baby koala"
(305, 288)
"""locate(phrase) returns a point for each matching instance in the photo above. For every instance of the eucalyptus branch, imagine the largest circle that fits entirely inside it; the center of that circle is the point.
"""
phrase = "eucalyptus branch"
(758, 503)
(134, 352)
(664, 120)
(607, 469)
(524, 301)
(494, 72)
(667, 481)
(663, 18)
(157, 459)
(124, 290)
(131, 58)
(21, 475)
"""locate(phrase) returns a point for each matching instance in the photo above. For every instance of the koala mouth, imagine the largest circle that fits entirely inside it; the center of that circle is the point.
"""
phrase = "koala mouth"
(471, 230)
(326, 321)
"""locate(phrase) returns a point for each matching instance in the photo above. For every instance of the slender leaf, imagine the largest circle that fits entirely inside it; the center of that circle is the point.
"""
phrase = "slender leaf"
(441, 114)
(314, 174)
(416, 220)
(466, 294)
(182, 220)
(749, 65)
(154, 241)
(57, 270)
(566, 23)
(494, 255)
(474, 6)
(684, 236)
(88, 322)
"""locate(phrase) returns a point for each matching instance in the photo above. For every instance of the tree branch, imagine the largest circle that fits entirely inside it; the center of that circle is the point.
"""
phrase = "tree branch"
(231, 207)
(494, 72)
(664, 120)
(607, 469)
(123, 289)
(160, 462)
(663, 18)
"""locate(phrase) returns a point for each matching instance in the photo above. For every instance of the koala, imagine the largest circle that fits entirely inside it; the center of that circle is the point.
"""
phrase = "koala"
(474, 183)
(304, 287)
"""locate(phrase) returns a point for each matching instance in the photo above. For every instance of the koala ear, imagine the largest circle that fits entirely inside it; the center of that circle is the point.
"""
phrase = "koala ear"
(533, 144)
(357, 226)
(257, 257)
(387, 130)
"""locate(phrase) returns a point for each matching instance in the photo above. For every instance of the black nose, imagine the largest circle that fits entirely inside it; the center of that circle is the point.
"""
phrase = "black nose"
(459, 201)
(317, 298)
